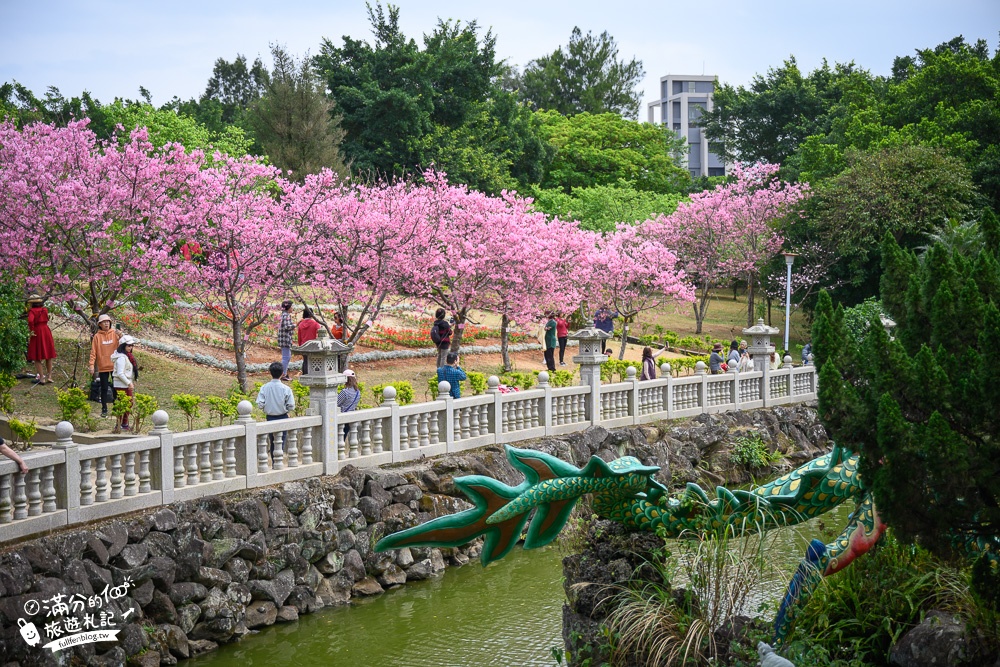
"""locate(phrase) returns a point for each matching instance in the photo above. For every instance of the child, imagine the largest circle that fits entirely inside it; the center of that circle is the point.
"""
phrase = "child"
(276, 400)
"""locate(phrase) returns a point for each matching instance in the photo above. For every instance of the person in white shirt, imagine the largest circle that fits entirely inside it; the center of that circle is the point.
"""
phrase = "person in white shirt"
(276, 400)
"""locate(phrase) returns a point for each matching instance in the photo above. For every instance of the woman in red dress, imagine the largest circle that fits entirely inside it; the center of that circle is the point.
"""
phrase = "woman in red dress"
(41, 346)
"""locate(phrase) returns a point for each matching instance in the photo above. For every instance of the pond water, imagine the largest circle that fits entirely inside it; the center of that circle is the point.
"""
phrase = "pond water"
(509, 613)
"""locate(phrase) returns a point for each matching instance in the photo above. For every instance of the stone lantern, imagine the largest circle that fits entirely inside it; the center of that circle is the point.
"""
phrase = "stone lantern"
(325, 357)
(760, 347)
(590, 359)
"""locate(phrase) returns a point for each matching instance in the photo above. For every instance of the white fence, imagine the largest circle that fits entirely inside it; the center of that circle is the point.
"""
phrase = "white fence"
(72, 483)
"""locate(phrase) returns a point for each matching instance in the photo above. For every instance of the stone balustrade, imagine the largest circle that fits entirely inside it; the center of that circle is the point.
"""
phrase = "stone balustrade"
(72, 483)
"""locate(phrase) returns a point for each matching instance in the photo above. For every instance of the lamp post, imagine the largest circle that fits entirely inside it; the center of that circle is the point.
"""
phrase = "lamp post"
(789, 260)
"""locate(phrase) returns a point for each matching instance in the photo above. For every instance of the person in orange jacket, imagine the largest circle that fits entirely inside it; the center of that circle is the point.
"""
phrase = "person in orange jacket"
(102, 346)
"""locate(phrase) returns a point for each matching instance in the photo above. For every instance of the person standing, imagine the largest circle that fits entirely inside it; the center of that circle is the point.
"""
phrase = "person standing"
(125, 373)
(562, 335)
(604, 320)
(285, 329)
(441, 336)
(338, 326)
(102, 346)
(276, 400)
(348, 397)
(41, 345)
(452, 374)
(715, 360)
(649, 363)
(733, 359)
(550, 341)
(307, 330)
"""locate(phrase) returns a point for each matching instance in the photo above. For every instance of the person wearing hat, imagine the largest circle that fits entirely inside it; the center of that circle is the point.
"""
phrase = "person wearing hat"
(125, 373)
(41, 346)
(348, 397)
(715, 360)
(104, 343)
(285, 329)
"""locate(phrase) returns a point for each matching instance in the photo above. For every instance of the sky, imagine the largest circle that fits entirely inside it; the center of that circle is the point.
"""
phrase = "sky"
(111, 48)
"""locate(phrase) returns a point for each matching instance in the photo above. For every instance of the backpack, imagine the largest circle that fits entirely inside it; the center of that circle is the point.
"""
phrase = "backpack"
(436, 334)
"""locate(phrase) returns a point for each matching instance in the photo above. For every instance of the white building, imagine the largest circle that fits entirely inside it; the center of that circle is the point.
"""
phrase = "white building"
(683, 98)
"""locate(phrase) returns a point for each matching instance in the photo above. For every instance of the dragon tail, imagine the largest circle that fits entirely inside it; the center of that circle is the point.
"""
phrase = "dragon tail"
(488, 495)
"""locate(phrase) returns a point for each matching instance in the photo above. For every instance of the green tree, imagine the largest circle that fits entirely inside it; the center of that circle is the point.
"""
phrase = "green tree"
(606, 149)
(913, 405)
(907, 191)
(167, 126)
(13, 328)
(294, 122)
(588, 76)
(601, 207)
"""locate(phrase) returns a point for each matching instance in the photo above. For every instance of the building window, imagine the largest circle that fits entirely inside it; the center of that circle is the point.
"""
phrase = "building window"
(716, 171)
(691, 86)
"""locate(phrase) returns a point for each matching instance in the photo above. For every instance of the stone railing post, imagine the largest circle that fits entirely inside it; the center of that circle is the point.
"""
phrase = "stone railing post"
(166, 469)
(68, 486)
(244, 417)
(496, 409)
(701, 370)
(392, 438)
(760, 349)
(667, 372)
(633, 394)
(545, 411)
(590, 359)
(735, 396)
(444, 394)
(323, 376)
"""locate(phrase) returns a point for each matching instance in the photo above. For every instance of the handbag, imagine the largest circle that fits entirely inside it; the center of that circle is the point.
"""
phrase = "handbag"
(95, 392)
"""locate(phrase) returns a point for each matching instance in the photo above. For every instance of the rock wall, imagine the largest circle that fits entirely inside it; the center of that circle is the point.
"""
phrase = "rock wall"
(212, 571)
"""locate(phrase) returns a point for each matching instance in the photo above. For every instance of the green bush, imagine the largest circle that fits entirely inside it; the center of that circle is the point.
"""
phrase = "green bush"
(477, 381)
(517, 379)
(22, 433)
(223, 408)
(404, 392)
(432, 387)
(301, 394)
(618, 367)
(750, 450)
(7, 383)
(13, 328)
(189, 404)
(72, 404)
(145, 406)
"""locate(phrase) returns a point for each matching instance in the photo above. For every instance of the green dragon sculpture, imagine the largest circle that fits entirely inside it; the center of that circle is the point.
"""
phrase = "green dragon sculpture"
(624, 490)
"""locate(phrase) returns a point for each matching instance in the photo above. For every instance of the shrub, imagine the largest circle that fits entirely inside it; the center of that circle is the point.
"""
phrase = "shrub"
(145, 406)
(13, 329)
(7, 383)
(618, 367)
(477, 381)
(432, 387)
(72, 404)
(122, 405)
(301, 394)
(22, 433)
(750, 450)
(223, 408)
(404, 392)
(189, 405)
(517, 379)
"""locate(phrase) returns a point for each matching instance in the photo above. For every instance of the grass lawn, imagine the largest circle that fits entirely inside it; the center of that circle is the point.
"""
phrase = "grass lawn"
(162, 376)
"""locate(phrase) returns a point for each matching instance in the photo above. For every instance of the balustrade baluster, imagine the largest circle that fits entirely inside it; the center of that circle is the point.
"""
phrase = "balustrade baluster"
(131, 479)
(414, 431)
(49, 489)
(117, 482)
(366, 437)
(262, 462)
(34, 493)
(20, 500)
(306, 450)
(504, 417)
(6, 506)
(377, 440)
(218, 470)
(278, 454)
(423, 428)
(86, 487)
(180, 474)
(474, 421)
(341, 441)
(464, 423)
(536, 417)
(229, 462)
(434, 427)
(293, 448)
(192, 464)
(404, 433)
(101, 488)
(144, 477)
(519, 415)
(355, 450)
(205, 462)
(484, 419)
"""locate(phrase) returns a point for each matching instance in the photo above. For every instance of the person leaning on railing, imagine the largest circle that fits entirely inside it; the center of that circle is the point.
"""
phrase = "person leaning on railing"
(13, 456)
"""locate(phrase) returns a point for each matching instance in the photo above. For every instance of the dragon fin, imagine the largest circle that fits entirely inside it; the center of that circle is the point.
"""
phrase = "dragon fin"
(488, 495)
(539, 466)
(548, 522)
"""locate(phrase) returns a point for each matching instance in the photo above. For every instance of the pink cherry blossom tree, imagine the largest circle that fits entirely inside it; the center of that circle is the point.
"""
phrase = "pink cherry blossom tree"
(85, 222)
(245, 235)
(731, 232)
(636, 271)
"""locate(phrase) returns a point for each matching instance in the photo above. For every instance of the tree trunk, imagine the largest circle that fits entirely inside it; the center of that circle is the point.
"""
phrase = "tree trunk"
(504, 340)
(701, 307)
(459, 329)
(750, 301)
(239, 350)
(621, 351)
